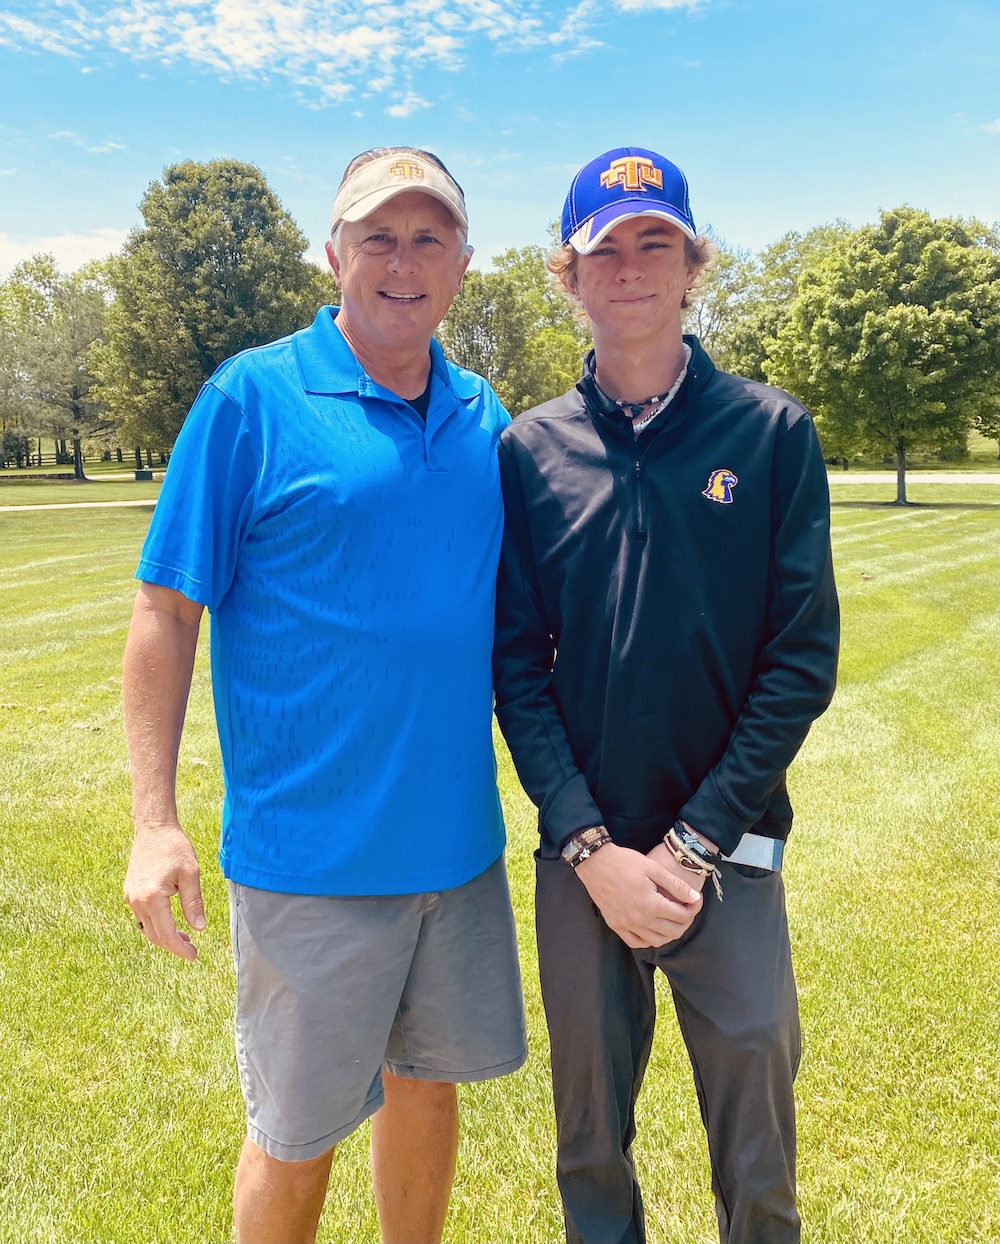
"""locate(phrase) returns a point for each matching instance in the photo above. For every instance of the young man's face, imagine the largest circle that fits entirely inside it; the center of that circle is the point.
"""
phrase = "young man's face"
(399, 270)
(635, 280)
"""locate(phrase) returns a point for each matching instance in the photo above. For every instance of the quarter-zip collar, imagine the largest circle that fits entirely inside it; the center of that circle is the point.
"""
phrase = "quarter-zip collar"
(699, 371)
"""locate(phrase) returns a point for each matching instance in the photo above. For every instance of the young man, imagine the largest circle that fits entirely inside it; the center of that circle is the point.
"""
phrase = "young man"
(666, 633)
(334, 501)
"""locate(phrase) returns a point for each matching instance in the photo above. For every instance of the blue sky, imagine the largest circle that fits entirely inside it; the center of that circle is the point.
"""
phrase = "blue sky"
(783, 115)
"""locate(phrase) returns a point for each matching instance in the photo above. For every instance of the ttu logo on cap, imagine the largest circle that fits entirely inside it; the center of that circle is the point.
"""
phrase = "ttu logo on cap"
(720, 486)
(632, 173)
(618, 186)
(406, 168)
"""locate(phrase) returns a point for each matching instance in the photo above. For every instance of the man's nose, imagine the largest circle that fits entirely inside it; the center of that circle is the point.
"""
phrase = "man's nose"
(403, 258)
(629, 267)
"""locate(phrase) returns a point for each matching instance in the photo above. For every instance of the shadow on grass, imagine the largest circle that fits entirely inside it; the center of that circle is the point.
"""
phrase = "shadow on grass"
(914, 505)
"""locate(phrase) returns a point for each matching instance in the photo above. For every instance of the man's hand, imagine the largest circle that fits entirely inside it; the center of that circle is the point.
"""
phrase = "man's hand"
(641, 900)
(665, 858)
(163, 863)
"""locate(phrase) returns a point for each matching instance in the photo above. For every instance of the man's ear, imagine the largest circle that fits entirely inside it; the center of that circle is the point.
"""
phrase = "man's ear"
(331, 256)
(465, 268)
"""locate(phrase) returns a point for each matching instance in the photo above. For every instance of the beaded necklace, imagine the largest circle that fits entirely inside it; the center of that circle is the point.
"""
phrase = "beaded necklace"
(632, 410)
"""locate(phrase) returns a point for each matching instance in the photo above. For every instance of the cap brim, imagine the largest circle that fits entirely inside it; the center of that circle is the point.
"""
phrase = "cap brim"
(372, 202)
(589, 235)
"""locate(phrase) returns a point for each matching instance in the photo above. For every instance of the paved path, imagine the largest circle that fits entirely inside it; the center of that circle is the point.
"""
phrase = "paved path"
(77, 505)
(912, 477)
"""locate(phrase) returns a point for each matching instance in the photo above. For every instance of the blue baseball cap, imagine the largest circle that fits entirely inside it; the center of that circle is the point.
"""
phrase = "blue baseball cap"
(619, 185)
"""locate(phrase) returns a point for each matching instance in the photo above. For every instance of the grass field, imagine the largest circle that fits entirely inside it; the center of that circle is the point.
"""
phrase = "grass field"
(120, 1118)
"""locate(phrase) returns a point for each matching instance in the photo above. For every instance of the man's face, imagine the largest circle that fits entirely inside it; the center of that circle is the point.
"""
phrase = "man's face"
(399, 270)
(635, 280)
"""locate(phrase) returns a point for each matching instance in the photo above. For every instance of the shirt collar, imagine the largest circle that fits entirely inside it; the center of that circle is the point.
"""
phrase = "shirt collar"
(327, 364)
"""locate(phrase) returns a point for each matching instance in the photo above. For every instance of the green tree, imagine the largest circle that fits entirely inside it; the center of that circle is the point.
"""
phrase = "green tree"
(758, 293)
(517, 328)
(216, 268)
(23, 300)
(720, 300)
(55, 321)
(987, 422)
(894, 336)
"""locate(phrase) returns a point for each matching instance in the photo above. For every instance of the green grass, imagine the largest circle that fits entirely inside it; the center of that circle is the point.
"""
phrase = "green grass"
(73, 492)
(120, 1117)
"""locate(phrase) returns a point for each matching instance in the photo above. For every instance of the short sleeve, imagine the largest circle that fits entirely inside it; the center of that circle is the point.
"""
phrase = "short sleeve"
(206, 502)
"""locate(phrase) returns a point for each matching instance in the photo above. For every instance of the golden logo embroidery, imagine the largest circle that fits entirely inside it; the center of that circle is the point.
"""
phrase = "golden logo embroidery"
(406, 168)
(720, 486)
(632, 173)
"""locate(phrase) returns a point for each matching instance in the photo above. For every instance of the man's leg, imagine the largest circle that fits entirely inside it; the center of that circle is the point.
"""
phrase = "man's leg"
(600, 1009)
(278, 1202)
(735, 997)
(460, 1019)
(414, 1146)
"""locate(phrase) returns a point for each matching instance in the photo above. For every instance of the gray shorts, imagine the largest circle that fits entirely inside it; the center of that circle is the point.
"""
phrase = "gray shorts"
(331, 990)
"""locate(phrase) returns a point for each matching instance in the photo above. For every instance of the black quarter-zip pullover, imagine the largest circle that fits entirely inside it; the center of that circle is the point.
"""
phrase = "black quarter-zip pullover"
(667, 621)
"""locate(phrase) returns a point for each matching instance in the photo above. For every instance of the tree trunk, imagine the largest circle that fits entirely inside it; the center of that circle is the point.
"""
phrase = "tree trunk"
(901, 473)
(138, 458)
(77, 459)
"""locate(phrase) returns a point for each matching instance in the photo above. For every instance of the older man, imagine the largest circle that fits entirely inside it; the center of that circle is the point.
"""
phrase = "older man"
(666, 633)
(333, 500)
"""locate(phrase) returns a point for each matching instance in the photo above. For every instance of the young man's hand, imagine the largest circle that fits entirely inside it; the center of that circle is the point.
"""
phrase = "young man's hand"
(641, 900)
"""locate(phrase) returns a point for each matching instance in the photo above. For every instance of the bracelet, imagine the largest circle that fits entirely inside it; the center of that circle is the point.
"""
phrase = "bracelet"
(692, 855)
(583, 844)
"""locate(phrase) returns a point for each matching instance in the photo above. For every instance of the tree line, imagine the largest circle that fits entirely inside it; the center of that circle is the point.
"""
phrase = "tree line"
(890, 333)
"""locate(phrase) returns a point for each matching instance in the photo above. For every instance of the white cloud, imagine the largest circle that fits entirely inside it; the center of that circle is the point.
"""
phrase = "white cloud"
(407, 106)
(640, 6)
(102, 148)
(328, 49)
(17, 32)
(70, 249)
(992, 127)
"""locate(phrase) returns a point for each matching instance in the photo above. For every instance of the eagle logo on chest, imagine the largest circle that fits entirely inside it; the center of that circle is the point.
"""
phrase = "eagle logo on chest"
(720, 486)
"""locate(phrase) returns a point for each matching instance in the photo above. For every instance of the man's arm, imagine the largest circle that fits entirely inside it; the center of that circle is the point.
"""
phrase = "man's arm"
(797, 666)
(640, 898)
(156, 680)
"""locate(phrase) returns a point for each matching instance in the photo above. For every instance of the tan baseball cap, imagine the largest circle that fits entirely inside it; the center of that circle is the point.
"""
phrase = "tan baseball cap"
(381, 179)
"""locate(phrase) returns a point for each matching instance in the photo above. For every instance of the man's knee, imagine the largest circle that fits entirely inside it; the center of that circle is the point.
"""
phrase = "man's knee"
(429, 1096)
(259, 1170)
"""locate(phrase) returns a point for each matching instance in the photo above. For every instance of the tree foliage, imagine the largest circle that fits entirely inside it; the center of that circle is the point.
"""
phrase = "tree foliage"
(725, 295)
(48, 386)
(893, 338)
(216, 268)
(987, 421)
(753, 295)
(517, 328)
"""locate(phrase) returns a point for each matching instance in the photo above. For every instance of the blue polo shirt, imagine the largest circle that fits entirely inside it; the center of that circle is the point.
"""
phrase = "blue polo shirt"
(347, 552)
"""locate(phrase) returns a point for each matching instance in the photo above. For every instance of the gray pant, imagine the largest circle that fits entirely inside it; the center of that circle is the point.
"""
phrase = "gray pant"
(734, 993)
